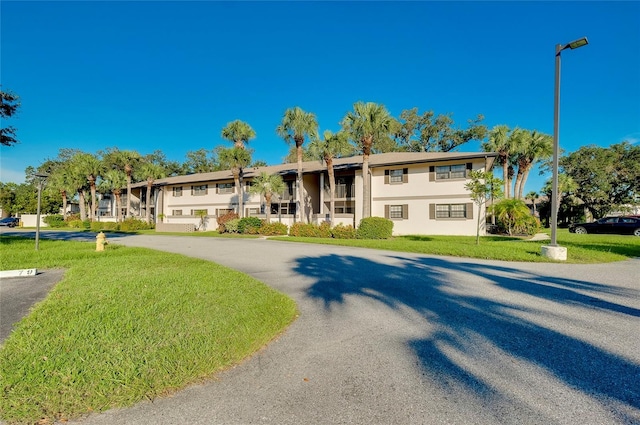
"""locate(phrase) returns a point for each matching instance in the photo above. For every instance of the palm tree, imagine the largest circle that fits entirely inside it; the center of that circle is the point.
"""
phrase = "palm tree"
(238, 132)
(150, 172)
(114, 181)
(78, 180)
(534, 146)
(295, 127)
(365, 124)
(513, 213)
(502, 140)
(267, 185)
(125, 161)
(533, 197)
(92, 168)
(331, 146)
(60, 180)
(236, 159)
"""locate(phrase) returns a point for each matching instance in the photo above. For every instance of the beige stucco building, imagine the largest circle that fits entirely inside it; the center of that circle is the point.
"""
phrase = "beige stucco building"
(423, 193)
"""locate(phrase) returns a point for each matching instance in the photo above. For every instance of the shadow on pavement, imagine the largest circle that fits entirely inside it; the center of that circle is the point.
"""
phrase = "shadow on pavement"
(469, 326)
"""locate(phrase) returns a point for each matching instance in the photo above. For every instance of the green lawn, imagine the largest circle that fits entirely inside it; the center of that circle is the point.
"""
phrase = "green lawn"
(580, 248)
(125, 325)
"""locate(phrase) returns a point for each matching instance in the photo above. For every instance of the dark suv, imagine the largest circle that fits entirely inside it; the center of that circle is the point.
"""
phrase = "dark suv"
(10, 221)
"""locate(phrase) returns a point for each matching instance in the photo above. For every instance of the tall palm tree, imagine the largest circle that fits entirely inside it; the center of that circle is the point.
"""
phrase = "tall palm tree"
(92, 167)
(237, 160)
(295, 127)
(238, 132)
(60, 180)
(126, 161)
(267, 185)
(150, 172)
(114, 181)
(366, 123)
(78, 180)
(501, 140)
(536, 146)
(331, 146)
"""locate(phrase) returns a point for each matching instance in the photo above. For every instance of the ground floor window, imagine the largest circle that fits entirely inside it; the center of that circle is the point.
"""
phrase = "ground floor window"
(176, 212)
(199, 212)
(396, 211)
(444, 211)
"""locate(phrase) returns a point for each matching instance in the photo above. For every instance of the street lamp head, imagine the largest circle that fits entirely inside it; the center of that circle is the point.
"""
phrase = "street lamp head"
(578, 43)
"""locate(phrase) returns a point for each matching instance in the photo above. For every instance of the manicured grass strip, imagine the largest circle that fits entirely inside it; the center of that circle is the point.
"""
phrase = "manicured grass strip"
(580, 248)
(125, 325)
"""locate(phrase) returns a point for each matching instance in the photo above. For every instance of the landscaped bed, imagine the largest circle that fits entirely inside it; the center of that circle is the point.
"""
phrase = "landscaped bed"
(125, 325)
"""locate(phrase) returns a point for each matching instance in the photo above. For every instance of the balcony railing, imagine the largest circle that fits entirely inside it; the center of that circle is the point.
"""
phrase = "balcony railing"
(343, 191)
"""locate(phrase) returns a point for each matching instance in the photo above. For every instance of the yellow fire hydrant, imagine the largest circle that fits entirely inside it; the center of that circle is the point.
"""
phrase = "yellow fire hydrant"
(101, 241)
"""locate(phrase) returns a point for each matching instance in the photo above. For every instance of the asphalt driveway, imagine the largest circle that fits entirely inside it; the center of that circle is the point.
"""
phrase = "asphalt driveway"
(392, 338)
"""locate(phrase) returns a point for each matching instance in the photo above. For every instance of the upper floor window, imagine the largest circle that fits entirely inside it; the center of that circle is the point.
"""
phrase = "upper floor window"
(177, 191)
(176, 212)
(224, 187)
(445, 172)
(199, 190)
(395, 176)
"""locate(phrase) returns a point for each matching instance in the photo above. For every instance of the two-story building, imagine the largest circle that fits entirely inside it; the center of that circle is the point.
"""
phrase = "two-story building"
(423, 193)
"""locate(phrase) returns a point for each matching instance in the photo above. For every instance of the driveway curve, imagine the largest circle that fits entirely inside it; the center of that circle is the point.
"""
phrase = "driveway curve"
(394, 338)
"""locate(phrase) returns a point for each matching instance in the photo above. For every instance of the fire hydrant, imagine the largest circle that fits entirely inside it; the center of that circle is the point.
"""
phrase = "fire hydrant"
(101, 241)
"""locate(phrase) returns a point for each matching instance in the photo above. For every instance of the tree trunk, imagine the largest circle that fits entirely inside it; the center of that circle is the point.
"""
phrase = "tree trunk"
(64, 204)
(82, 202)
(267, 200)
(117, 195)
(366, 189)
(149, 183)
(525, 175)
(332, 190)
(236, 182)
(94, 207)
(505, 176)
(241, 192)
(517, 187)
(128, 171)
(300, 200)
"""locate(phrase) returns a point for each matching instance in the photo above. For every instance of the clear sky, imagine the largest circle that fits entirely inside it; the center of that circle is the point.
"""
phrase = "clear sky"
(170, 75)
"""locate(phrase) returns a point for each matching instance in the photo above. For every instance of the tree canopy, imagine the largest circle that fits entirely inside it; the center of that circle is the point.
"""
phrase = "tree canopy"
(8, 107)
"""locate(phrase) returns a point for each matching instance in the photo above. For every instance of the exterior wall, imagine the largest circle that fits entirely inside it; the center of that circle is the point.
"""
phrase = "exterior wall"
(311, 187)
(417, 193)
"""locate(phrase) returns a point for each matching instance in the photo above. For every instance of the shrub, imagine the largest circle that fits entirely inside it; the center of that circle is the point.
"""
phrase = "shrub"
(324, 230)
(133, 224)
(71, 217)
(232, 226)
(54, 220)
(249, 225)
(96, 226)
(223, 219)
(273, 229)
(374, 228)
(86, 224)
(343, 232)
(75, 224)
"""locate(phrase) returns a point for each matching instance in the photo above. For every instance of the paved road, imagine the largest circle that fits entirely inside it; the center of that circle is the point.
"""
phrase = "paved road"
(390, 338)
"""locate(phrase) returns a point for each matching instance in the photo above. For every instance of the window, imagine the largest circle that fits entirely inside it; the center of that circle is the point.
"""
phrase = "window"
(224, 187)
(176, 212)
(344, 210)
(177, 191)
(396, 211)
(222, 211)
(437, 211)
(253, 211)
(199, 190)
(449, 172)
(198, 213)
(397, 176)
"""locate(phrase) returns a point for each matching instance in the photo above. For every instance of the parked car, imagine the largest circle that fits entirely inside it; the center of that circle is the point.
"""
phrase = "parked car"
(10, 221)
(611, 225)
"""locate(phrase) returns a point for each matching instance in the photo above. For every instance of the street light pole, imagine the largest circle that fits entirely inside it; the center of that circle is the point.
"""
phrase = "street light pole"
(553, 250)
(41, 178)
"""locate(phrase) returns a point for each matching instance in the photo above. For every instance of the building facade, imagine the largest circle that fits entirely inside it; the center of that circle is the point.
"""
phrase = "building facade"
(422, 193)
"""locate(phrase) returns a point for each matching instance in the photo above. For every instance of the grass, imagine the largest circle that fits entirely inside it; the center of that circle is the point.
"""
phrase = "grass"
(580, 248)
(125, 325)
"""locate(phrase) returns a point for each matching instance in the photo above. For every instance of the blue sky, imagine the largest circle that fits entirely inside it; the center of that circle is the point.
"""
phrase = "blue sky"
(170, 75)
